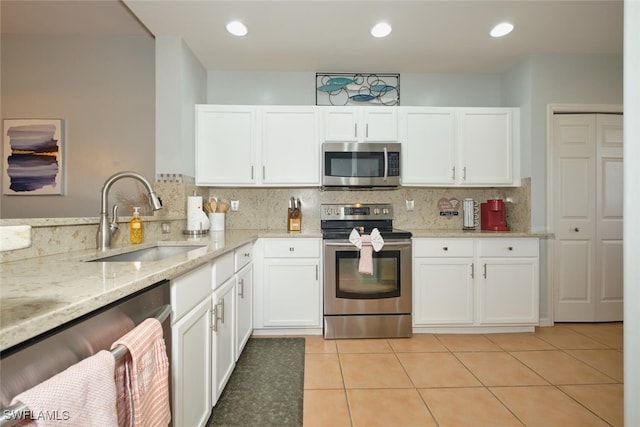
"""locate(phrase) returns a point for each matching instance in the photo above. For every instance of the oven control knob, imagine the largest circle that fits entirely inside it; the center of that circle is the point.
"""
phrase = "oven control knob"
(385, 211)
(376, 211)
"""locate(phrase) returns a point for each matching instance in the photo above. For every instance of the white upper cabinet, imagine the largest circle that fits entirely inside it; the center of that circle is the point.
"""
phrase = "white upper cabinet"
(290, 146)
(486, 145)
(460, 146)
(225, 145)
(230, 140)
(360, 124)
(428, 145)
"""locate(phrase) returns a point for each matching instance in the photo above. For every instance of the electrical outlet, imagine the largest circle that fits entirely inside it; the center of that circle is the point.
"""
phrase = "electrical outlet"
(235, 205)
(166, 227)
(410, 205)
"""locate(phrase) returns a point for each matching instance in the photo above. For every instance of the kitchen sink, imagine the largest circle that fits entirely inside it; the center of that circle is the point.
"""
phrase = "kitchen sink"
(154, 253)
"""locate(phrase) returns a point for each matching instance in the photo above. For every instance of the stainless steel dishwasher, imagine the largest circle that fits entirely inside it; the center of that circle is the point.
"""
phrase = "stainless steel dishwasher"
(30, 363)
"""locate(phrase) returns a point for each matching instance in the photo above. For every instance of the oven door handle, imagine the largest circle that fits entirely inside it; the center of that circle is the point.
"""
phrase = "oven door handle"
(350, 245)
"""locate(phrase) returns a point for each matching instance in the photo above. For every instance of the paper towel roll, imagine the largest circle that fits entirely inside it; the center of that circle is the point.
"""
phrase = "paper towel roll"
(196, 218)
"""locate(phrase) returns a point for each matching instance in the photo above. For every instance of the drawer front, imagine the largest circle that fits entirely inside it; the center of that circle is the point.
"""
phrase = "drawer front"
(223, 268)
(292, 248)
(189, 289)
(443, 248)
(499, 247)
(243, 256)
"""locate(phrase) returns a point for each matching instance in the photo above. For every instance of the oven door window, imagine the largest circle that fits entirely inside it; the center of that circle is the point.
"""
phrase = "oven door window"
(383, 283)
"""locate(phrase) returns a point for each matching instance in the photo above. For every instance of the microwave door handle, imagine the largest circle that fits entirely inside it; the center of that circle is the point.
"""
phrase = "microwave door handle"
(386, 164)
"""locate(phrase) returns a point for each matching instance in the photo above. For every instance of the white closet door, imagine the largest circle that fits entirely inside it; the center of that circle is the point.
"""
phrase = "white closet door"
(587, 217)
(609, 292)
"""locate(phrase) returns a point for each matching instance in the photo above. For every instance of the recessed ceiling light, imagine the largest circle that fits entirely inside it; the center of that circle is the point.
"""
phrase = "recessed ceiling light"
(381, 29)
(237, 28)
(502, 29)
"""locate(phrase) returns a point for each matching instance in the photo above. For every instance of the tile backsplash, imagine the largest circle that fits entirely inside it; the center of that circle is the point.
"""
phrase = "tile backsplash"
(266, 208)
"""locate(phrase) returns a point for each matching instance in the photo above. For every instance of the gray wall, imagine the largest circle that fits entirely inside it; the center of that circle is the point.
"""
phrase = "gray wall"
(181, 83)
(298, 88)
(104, 90)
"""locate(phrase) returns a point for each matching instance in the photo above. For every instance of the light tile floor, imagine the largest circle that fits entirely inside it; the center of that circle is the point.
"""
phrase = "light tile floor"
(565, 375)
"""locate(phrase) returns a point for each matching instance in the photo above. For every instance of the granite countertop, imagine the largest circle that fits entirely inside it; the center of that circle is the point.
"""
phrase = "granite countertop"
(477, 234)
(39, 294)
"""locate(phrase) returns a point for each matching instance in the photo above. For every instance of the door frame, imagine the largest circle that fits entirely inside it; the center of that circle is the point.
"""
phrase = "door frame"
(551, 110)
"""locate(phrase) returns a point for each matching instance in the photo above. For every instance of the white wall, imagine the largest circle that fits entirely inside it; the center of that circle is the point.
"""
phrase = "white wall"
(180, 84)
(103, 88)
(631, 207)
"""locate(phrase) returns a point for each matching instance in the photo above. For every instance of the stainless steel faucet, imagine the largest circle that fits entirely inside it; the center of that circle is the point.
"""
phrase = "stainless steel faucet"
(106, 229)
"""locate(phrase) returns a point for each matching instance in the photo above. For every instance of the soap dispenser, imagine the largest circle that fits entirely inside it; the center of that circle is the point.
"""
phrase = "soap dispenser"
(135, 227)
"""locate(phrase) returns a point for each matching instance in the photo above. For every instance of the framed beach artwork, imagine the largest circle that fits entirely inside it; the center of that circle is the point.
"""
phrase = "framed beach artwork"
(33, 157)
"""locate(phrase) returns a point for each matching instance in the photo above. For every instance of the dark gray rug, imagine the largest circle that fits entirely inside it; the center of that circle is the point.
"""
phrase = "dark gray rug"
(266, 387)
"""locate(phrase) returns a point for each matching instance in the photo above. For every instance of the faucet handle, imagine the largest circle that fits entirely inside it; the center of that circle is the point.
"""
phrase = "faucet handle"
(113, 225)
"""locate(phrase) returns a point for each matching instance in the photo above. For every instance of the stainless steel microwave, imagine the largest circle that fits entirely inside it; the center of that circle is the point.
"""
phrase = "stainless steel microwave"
(360, 165)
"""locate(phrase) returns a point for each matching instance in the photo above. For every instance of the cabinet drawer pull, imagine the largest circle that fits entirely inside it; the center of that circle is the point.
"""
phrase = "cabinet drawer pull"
(292, 249)
(445, 248)
(247, 255)
(576, 229)
(510, 248)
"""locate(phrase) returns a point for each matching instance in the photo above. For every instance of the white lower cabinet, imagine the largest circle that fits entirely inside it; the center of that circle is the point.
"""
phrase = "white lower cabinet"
(232, 305)
(466, 283)
(222, 336)
(191, 348)
(509, 283)
(244, 296)
(290, 295)
(244, 308)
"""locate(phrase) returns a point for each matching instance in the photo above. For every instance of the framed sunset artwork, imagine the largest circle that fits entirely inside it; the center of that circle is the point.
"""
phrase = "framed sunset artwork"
(33, 157)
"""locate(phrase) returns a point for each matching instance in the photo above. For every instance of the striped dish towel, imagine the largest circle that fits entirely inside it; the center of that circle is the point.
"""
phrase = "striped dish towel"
(82, 395)
(143, 378)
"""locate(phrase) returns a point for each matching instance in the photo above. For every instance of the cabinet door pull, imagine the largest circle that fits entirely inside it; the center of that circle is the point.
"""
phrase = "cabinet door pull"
(220, 311)
(251, 173)
(464, 173)
(214, 318)
(453, 172)
(263, 172)
(484, 273)
(355, 130)
(316, 272)
(472, 271)
(241, 283)
(366, 134)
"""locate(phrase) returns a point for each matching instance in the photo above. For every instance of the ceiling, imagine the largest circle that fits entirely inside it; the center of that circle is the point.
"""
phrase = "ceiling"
(428, 36)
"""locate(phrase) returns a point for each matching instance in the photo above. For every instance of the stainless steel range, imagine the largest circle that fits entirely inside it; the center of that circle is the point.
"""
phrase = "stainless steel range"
(360, 305)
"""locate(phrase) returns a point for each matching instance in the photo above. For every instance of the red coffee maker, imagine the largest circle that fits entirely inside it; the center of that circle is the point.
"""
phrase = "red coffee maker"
(493, 215)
